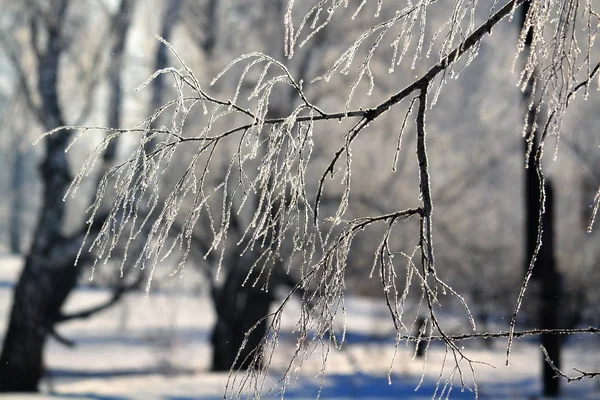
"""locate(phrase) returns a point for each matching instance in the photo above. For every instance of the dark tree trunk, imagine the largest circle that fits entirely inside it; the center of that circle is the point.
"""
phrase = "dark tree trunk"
(420, 345)
(242, 309)
(239, 309)
(40, 293)
(49, 273)
(545, 272)
(35, 298)
(551, 282)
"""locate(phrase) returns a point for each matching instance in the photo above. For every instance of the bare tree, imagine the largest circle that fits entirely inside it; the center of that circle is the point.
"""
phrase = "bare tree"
(49, 274)
(275, 187)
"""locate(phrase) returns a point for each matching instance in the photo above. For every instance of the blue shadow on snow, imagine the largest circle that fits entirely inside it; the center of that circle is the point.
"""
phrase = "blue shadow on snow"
(360, 386)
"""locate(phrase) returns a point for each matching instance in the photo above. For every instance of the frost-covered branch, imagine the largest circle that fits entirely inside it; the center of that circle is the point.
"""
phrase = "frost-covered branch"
(560, 374)
(247, 172)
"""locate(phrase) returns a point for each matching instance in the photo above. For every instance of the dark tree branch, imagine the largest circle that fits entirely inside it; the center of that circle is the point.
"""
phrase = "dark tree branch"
(560, 374)
(506, 334)
(424, 186)
(61, 339)
(117, 294)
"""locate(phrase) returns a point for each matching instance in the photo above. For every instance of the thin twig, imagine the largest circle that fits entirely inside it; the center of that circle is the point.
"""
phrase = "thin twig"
(560, 374)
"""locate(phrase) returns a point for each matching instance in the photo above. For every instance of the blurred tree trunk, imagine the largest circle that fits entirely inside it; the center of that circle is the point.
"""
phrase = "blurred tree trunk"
(420, 330)
(239, 309)
(49, 274)
(17, 202)
(169, 20)
(242, 308)
(18, 171)
(115, 105)
(545, 272)
(550, 304)
(201, 20)
(41, 286)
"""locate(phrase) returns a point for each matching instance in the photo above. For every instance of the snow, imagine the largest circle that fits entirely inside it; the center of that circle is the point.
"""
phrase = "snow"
(157, 347)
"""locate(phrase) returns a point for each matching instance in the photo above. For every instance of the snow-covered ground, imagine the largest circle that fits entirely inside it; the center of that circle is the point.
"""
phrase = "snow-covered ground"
(157, 347)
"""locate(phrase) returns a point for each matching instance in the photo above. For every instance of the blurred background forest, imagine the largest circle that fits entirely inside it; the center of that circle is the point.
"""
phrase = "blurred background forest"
(79, 63)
